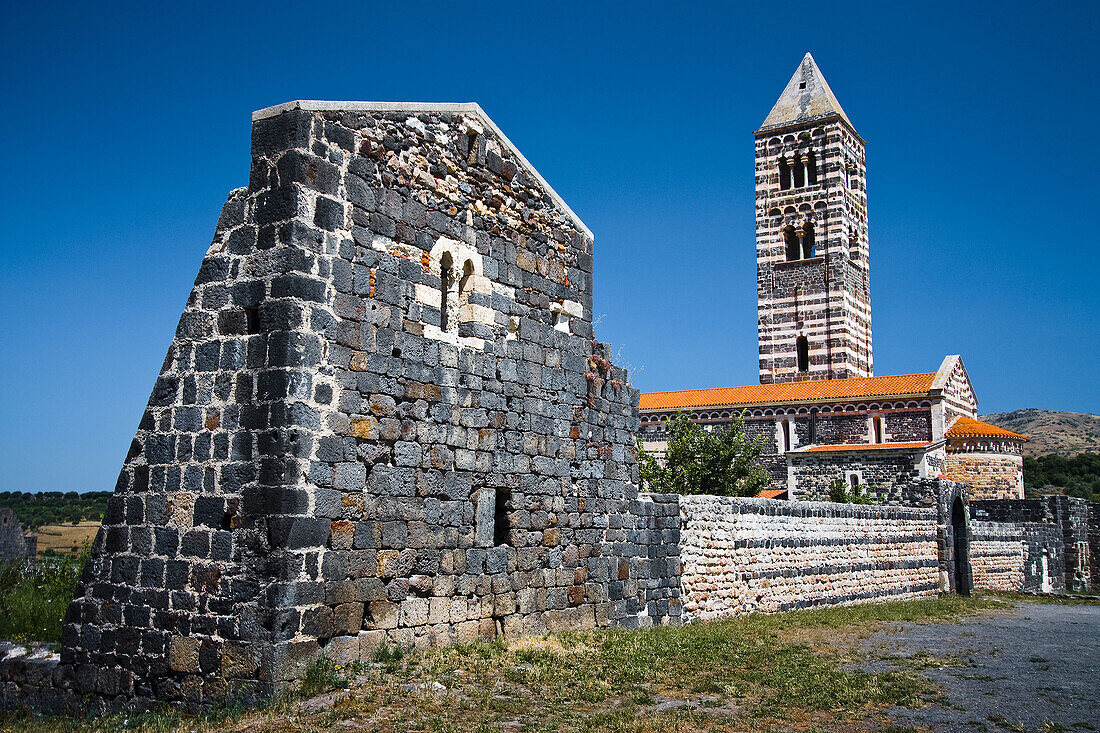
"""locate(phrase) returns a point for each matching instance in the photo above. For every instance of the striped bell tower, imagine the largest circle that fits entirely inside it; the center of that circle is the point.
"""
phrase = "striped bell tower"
(813, 292)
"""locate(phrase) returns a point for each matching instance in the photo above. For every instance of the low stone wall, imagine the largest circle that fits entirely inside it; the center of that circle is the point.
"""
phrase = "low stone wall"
(31, 678)
(997, 556)
(1030, 545)
(745, 555)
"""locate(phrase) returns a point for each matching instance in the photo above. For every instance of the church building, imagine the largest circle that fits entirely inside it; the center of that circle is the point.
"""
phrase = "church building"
(823, 413)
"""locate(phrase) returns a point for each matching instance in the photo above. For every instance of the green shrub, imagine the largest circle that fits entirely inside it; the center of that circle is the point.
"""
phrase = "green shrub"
(721, 462)
(34, 597)
(840, 493)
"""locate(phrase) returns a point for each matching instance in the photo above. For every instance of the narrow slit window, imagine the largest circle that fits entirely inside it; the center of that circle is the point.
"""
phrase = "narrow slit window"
(252, 320)
(502, 518)
(799, 173)
(808, 241)
(446, 278)
(878, 429)
(786, 436)
(471, 147)
(811, 169)
(784, 174)
(802, 347)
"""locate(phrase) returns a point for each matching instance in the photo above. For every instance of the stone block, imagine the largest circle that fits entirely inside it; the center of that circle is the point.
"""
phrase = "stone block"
(383, 614)
(183, 654)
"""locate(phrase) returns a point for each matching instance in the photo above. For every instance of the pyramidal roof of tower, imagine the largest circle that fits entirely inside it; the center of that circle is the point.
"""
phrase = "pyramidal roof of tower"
(807, 97)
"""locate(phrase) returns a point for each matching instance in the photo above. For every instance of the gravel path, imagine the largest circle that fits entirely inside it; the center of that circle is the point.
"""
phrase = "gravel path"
(1035, 667)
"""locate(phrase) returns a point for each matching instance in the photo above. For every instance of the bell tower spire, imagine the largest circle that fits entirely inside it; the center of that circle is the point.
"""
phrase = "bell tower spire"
(813, 291)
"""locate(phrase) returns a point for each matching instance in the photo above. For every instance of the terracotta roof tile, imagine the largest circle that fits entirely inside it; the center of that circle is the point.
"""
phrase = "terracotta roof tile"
(809, 391)
(772, 494)
(968, 427)
(863, 446)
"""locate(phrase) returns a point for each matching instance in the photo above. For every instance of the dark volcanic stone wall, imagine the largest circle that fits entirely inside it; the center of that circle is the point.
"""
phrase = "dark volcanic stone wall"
(337, 453)
(1035, 545)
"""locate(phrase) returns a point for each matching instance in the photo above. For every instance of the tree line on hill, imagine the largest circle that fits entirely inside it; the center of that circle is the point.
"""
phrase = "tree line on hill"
(1076, 476)
(35, 509)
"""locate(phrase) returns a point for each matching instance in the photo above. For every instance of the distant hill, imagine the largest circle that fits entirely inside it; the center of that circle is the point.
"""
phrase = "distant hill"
(1051, 432)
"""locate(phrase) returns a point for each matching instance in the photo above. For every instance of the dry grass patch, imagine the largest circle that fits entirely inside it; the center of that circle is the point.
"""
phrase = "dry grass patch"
(65, 539)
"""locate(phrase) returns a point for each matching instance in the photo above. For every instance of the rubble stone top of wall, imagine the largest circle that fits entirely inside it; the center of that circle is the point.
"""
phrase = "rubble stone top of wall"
(753, 505)
(469, 108)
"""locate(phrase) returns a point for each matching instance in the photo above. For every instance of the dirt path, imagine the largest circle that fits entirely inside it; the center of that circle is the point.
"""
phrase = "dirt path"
(1036, 667)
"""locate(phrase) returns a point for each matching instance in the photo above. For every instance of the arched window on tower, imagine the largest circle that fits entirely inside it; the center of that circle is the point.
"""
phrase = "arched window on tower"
(790, 239)
(799, 172)
(786, 436)
(811, 169)
(807, 241)
(446, 280)
(784, 174)
(877, 425)
(802, 347)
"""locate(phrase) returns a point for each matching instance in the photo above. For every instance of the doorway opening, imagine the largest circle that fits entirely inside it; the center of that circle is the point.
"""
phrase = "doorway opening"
(961, 547)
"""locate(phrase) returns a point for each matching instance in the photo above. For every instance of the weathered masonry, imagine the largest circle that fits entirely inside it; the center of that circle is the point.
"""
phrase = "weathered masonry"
(383, 417)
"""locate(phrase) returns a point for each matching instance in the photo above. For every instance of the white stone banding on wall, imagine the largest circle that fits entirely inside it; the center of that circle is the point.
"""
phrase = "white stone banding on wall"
(745, 555)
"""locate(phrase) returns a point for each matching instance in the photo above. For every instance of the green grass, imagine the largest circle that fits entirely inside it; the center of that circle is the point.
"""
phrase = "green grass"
(33, 598)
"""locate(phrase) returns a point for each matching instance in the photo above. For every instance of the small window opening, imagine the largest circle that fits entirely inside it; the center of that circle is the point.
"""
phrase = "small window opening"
(853, 248)
(813, 425)
(784, 174)
(808, 241)
(811, 169)
(790, 239)
(471, 147)
(251, 320)
(801, 85)
(799, 173)
(803, 349)
(878, 429)
(446, 278)
(786, 436)
(853, 481)
(502, 530)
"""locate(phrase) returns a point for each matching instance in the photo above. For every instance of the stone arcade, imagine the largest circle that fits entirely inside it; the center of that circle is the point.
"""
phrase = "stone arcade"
(823, 415)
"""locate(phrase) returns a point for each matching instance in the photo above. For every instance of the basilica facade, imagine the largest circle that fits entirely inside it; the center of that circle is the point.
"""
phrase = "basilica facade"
(824, 416)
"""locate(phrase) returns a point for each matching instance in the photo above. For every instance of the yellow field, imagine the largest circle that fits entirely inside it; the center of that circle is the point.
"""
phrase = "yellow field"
(65, 538)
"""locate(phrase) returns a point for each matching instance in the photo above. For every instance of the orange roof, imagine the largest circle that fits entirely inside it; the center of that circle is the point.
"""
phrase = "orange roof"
(771, 493)
(862, 446)
(968, 427)
(809, 391)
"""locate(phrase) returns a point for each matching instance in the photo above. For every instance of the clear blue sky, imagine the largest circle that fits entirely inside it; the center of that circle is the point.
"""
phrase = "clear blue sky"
(125, 126)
